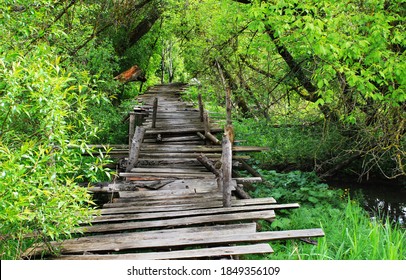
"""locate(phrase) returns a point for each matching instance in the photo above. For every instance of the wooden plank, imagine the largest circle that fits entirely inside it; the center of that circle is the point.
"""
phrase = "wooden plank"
(165, 193)
(136, 175)
(119, 243)
(143, 162)
(164, 198)
(168, 155)
(262, 248)
(248, 180)
(222, 218)
(181, 130)
(190, 213)
(246, 228)
(187, 205)
(198, 148)
(179, 157)
(191, 184)
(194, 170)
(175, 200)
(176, 139)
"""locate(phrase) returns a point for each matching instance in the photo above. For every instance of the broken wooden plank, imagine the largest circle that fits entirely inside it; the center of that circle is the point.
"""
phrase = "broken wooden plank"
(172, 200)
(246, 228)
(181, 130)
(190, 213)
(262, 248)
(118, 243)
(177, 222)
(176, 139)
(248, 180)
(137, 175)
(197, 148)
(165, 193)
(117, 187)
(196, 169)
(188, 204)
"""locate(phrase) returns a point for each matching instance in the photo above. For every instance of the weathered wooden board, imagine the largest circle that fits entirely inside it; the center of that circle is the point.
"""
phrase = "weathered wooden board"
(188, 204)
(197, 170)
(177, 222)
(146, 162)
(174, 198)
(243, 228)
(181, 130)
(166, 193)
(261, 248)
(190, 213)
(119, 243)
(186, 199)
(197, 148)
(136, 175)
(173, 139)
(191, 184)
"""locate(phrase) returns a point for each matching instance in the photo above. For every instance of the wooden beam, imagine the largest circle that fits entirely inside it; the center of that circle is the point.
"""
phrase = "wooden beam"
(201, 107)
(206, 122)
(226, 166)
(135, 148)
(212, 138)
(131, 128)
(154, 112)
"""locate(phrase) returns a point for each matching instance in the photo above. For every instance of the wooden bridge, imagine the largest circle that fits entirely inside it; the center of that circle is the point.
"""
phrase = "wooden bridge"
(169, 203)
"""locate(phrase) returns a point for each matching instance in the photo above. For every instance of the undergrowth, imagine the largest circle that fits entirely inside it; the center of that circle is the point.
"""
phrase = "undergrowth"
(350, 234)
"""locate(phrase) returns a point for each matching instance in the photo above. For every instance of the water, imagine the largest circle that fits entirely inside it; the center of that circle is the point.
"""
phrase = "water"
(380, 199)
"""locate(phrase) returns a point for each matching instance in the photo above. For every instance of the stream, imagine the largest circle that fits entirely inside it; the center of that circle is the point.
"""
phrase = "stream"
(380, 199)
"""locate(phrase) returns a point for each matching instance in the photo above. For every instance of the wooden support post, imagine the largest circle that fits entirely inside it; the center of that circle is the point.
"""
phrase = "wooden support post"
(135, 148)
(201, 107)
(226, 165)
(140, 114)
(131, 128)
(154, 112)
(206, 122)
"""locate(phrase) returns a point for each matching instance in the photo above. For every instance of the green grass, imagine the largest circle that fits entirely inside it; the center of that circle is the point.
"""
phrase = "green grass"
(350, 234)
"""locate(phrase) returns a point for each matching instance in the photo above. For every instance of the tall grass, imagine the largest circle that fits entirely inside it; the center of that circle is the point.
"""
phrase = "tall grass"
(349, 235)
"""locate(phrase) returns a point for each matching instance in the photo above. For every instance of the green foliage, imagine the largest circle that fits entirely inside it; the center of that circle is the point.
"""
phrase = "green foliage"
(44, 112)
(296, 186)
(291, 145)
(44, 109)
(350, 234)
